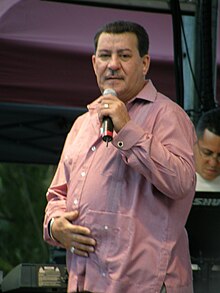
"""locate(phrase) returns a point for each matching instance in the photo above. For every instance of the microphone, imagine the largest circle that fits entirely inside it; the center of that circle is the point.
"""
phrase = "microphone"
(107, 125)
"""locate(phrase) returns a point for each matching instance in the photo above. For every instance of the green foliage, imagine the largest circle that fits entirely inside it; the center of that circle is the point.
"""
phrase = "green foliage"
(22, 203)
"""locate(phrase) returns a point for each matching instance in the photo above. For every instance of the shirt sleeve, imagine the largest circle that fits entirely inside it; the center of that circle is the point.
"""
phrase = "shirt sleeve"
(57, 192)
(162, 151)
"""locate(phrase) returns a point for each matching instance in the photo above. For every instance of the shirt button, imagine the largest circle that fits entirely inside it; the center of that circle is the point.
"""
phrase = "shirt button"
(75, 202)
(93, 148)
(106, 227)
(83, 173)
(120, 144)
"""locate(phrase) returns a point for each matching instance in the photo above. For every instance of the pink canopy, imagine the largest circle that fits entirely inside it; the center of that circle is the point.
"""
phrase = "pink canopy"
(46, 51)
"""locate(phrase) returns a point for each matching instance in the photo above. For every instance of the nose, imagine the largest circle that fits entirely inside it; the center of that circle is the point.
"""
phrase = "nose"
(213, 161)
(114, 63)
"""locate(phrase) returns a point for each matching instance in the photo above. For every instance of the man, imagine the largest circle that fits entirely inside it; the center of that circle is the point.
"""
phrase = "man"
(120, 210)
(207, 151)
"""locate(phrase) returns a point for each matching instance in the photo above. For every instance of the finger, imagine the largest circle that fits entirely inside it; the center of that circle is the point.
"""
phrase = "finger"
(82, 247)
(79, 231)
(71, 216)
(81, 252)
(74, 250)
(80, 239)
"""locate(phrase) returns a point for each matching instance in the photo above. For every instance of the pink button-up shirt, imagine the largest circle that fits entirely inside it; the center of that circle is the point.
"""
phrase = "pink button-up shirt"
(134, 195)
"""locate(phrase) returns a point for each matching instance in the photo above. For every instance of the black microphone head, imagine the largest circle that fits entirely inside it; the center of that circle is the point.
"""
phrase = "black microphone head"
(109, 91)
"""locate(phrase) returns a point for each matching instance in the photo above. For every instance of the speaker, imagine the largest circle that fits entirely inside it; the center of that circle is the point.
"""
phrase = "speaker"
(36, 278)
(204, 241)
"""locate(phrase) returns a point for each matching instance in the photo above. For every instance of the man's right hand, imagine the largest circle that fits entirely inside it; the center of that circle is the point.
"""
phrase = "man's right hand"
(70, 235)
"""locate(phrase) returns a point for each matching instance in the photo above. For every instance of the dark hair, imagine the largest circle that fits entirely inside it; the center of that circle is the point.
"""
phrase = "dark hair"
(209, 120)
(120, 27)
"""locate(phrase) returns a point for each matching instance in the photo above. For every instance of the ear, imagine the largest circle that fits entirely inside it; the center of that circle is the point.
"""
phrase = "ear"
(196, 151)
(94, 63)
(146, 63)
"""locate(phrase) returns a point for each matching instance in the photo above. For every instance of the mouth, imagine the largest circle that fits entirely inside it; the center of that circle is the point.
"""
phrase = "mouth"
(113, 78)
(211, 172)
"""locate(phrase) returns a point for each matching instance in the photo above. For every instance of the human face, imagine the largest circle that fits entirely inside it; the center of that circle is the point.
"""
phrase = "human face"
(118, 65)
(207, 155)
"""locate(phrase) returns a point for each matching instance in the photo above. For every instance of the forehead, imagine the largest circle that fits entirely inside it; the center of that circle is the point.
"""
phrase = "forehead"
(211, 141)
(109, 41)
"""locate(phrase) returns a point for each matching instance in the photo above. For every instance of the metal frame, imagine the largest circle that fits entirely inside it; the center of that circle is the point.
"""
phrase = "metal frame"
(162, 6)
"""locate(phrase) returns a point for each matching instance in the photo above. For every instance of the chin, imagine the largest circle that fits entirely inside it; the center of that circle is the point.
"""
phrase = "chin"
(209, 177)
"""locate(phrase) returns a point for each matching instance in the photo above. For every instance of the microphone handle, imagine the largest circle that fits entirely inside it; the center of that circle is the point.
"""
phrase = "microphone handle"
(107, 129)
(107, 124)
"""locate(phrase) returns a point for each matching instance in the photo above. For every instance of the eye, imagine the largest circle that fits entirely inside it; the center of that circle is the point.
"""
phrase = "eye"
(207, 152)
(104, 56)
(125, 57)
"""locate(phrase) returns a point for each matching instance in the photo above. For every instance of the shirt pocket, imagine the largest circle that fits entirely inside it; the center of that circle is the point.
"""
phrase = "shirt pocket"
(113, 233)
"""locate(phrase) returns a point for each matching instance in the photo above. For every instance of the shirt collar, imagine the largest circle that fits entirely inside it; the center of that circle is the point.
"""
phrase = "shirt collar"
(148, 92)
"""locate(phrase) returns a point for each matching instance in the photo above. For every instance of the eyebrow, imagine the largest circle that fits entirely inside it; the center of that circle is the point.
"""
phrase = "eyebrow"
(118, 51)
(207, 149)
